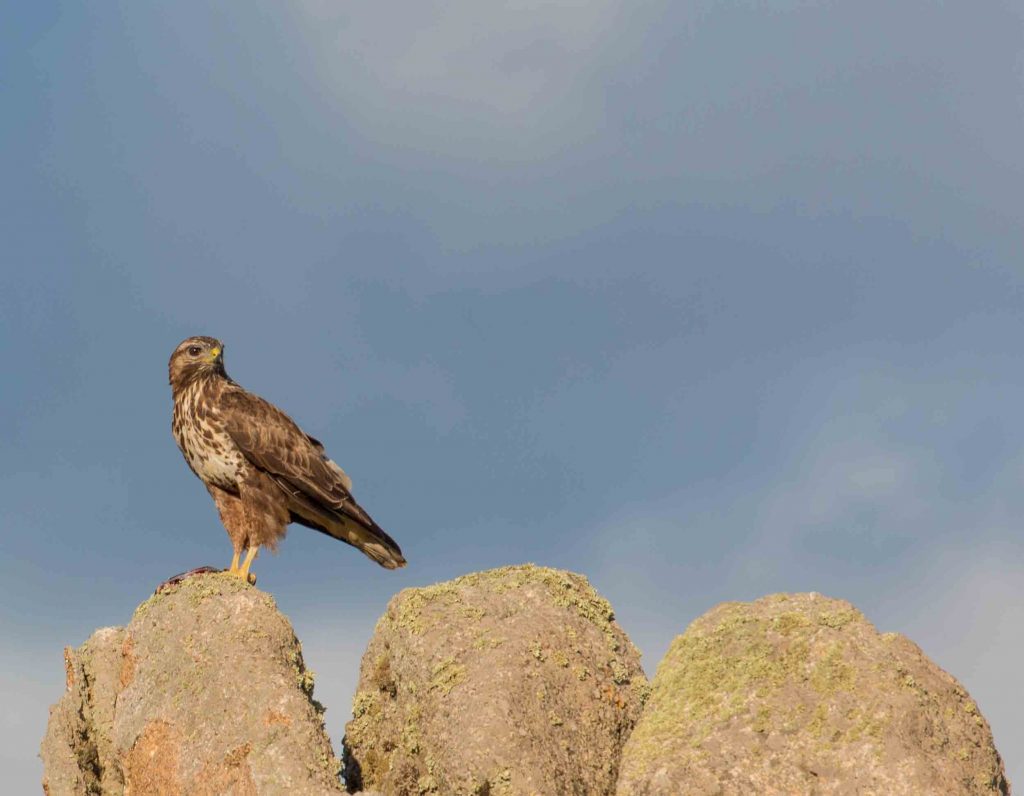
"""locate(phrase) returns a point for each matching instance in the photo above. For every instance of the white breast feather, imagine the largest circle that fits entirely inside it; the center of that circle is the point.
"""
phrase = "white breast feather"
(218, 464)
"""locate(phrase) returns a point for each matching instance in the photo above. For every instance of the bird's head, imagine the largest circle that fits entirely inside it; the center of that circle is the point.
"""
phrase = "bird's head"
(195, 357)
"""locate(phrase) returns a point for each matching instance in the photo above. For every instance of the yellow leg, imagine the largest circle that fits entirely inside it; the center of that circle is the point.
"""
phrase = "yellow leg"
(243, 571)
(234, 563)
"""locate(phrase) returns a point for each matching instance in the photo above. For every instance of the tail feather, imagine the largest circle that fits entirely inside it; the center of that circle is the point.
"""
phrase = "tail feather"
(351, 525)
(374, 542)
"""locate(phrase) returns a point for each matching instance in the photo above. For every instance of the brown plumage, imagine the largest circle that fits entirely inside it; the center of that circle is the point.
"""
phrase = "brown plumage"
(261, 469)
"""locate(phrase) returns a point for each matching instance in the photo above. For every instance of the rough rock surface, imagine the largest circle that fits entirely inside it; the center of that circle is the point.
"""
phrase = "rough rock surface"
(800, 694)
(204, 692)
(511, 681)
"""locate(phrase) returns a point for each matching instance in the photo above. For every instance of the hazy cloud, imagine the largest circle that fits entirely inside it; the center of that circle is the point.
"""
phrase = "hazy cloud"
(462, 77)
(858, 507)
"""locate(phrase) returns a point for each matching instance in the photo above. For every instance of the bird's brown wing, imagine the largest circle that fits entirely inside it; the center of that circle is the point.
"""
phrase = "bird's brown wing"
(316, 488)
(345, 480)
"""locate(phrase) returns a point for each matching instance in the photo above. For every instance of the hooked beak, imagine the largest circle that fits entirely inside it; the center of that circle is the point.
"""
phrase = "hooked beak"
(215, 355)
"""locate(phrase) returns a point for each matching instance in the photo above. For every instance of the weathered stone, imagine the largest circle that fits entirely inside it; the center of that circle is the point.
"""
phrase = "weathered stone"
(204, 692)
(78, 736)
(799, 694)
(511, 681)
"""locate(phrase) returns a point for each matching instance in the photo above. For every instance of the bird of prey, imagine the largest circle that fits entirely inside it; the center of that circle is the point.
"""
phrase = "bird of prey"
(261, 469)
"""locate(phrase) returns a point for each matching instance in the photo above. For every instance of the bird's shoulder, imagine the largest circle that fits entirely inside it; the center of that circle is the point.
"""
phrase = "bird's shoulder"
(239, 400)
(275, 442)
(245, 411)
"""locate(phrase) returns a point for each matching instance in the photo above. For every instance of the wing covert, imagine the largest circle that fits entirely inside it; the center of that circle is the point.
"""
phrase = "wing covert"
(273, 442)
(318, 489)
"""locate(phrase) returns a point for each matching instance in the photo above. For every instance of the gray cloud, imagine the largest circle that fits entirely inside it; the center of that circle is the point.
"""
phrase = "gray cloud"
(496, 80)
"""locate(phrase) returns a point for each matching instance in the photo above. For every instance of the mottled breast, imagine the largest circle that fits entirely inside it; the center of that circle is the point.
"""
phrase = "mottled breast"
(199, 431)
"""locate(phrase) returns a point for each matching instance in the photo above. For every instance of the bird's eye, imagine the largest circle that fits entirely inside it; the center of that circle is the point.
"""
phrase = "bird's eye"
(194, 350)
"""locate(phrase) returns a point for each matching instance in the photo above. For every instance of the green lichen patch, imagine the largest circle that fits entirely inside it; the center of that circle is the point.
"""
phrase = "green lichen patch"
(764, 692)
(831, 673)
(735, 665)
(489, 671)
(487, 641)
(839, 618)
(446, 675)
(156, 599)
(567, 589)
(197, 588)
(365, 703)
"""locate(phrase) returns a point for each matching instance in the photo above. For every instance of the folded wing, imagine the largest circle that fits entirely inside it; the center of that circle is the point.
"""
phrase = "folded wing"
(317, 490)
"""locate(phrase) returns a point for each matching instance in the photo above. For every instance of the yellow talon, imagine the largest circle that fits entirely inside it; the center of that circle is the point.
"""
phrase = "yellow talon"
(234, 563)
(243, 571)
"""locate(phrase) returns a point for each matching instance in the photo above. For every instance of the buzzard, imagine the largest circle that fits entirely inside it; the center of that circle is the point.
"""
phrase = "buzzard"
(261, 469)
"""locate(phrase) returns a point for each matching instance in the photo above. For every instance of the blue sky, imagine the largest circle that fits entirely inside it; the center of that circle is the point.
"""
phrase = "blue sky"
(706, 301)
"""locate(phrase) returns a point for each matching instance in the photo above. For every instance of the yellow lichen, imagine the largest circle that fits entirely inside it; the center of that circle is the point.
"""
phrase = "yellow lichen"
(446, 675)
(736, 661)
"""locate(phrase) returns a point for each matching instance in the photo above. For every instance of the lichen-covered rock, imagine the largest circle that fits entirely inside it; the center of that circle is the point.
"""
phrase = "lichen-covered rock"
(204, 692)
(79, 732)
(511, 681)
(800, 694)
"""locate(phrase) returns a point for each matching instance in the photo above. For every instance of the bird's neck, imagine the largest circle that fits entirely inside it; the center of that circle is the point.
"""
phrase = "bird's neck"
(212, 378)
